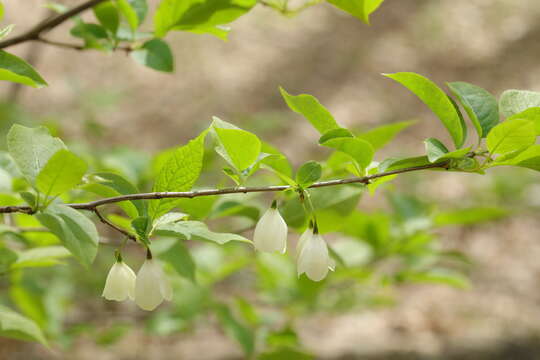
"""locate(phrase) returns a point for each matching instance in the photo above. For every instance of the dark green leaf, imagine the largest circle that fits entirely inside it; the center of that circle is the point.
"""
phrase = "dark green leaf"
(335, 133)
(180, 259)
(155, 54)
(107, 15)
(308, 173)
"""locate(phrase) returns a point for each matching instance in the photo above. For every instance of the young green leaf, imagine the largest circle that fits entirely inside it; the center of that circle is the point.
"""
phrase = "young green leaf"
(308, 173)
(360, 150)
(178, 173)
(401, 163)
(529, 158)
(180, 259)
(436, 100)
(62, 172)
(198, 16)
(107, 15)
(335, 133)
(240, 148)
(531, 114)
(480, 105)
(382, 135)
(512, 102)
(511, 135)
(434, 149)
(14, 325)
(142, 226)
(311, 109)
(196, 230)
(31, 148)
(155, 54)
(77, 233)
(15, 69)
(358, 8)
(134, 11)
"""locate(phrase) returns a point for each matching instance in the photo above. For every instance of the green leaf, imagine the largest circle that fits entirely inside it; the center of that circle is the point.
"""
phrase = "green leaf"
(235, 329)
(178, 173)
(199, 16)
(40, 257)
(14, 325)
(77, 233)
(480, 105)
(311, 109)
(511, 135)
(308, 173)
(2, 11)
(15, 69)
(155, 54)
(7, 258)
(402, 163)
(6, 31)
(134, 11)
(107, 15)
(335, 133)
(382, 135)
(440, 276)
(94, 35)
(142, 226)
(469, 216)
(436, 100)
(196, 230)
(358, 8)
(359, 150)
(531, 114)
(180, 259)
(529, 158)
(512, 102)
(241, 148)
(61, 173)
(435, 149)
(31, 148)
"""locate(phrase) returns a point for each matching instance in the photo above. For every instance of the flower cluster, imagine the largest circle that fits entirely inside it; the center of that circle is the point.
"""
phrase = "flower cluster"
(312, 255)
(148, 288)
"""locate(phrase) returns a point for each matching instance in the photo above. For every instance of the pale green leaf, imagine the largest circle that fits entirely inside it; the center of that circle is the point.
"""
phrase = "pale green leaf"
(531, 114)
(434, 149)
(31, 148)
(469, 216)
(358, 8)
(14, 325)
(62, 172)
(480, 105)
(241, 148)
(40, 257)
(359, 150)
(196, 230)
(436, 100)
(15, 69)
(511, 135)
(512, 102)
(528, 158)
(311, 109)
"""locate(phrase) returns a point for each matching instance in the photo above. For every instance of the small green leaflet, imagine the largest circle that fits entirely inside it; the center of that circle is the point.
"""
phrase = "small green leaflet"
(62, 172)
(480, 105)
(358, 8)
(14, 325)
(308, 173)
(511, 135)
(529, 158)
(512, 102)
(155, 54)
(107, 15)
(382, 135)
(15, 69)
(240, 148)
(31, 148)
(311, 109)
(77, 233)
(196, 230)
(531, 114)
(178, 173)
(436, 150)
(436, 100)
(199, 16)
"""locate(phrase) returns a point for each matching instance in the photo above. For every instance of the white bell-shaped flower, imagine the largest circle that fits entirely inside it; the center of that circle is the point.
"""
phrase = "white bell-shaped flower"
(271, 231)
(313, 258)
(152, 286)
(120, 283)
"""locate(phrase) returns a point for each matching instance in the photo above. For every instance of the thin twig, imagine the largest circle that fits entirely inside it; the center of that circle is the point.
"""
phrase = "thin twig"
(48, 24)
(77, 47)
(92, 205)
(108, 223)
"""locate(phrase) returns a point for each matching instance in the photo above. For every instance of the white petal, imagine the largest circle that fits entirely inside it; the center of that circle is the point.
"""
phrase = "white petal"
(271, 232)
(164, 284)
(148, 293)
(120, 282)
(306, 235)
(314, 259)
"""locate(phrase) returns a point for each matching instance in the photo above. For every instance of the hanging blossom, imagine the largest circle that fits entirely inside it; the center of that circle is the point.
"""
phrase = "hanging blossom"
(120, 283)
(312, 255)
(151, 287)
(271, 231)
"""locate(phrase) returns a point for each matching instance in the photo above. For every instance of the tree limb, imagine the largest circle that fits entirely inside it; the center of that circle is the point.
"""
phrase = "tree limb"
(92, 205)
(35, 33)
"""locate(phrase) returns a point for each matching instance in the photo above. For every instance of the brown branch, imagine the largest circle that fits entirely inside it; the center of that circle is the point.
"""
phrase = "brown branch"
(110, 224)
(92, 205)
(35, 33)
(77, 47)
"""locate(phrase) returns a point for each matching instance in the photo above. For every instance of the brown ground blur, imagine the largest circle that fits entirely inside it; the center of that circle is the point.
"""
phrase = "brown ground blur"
(492, 43)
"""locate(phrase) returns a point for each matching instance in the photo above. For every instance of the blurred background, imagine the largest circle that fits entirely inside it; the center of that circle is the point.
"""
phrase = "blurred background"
(109, 103)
